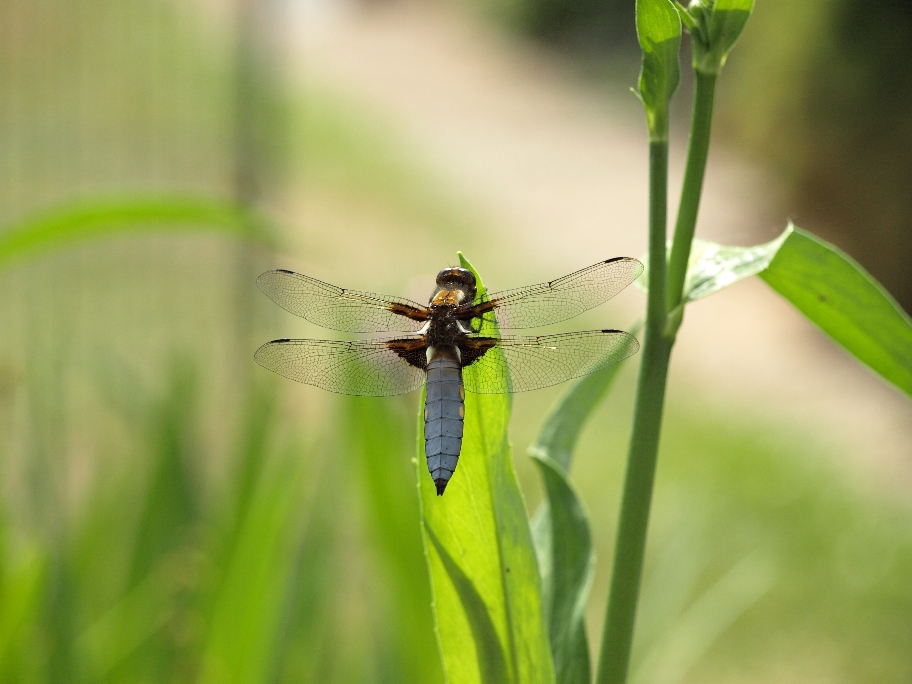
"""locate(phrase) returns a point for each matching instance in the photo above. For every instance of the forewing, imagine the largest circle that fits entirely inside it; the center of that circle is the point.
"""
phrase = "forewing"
(361, 367)
(518, 364)
(558, 300)
(340, 309)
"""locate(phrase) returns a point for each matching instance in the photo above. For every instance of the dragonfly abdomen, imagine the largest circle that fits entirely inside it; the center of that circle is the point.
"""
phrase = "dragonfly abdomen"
(444, 410)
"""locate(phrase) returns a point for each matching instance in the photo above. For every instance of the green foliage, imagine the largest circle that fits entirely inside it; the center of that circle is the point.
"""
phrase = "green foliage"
(85, 220)
(715, 26)
(280, 569)
(379, 450)
(712, 266)
(659, 33)
(558, 435)
(839, 296)
(560, 528)
(707, 617)
(566, 561)
(829, 287)
(487, 593)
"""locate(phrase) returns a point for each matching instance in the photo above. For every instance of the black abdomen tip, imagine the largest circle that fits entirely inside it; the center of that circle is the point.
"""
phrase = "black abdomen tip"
(441, 485)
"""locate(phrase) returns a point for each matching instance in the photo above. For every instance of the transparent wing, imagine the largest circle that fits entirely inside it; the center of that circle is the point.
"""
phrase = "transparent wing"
(339, 309)
(558, 300)
(362, 367)
(518, 364)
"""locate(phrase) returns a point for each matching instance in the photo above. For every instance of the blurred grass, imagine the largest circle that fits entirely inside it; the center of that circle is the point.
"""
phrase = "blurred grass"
(171, 514)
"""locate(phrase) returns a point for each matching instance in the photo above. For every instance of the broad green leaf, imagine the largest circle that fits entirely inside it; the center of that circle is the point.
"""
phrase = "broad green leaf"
(86, 219)
(829, 287)
(846, 302)
(484, 575)
(659, 32)
(560, 529)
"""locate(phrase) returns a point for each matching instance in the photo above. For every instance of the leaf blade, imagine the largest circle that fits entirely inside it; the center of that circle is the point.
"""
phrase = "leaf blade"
(567, 561)
(484, 572)
(841, 298)
(825, 284)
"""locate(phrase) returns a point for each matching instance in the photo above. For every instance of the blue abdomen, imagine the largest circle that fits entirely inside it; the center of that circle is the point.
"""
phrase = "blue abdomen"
(444, 410)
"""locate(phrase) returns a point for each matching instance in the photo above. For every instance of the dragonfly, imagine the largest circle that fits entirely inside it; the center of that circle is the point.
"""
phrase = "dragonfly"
(450, 345)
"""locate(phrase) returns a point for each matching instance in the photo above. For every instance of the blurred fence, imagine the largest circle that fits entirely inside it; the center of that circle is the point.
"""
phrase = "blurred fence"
(159, 520)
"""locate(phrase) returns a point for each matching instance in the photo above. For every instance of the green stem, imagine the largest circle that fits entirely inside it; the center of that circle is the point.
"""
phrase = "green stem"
(697, 152)
(617, 634)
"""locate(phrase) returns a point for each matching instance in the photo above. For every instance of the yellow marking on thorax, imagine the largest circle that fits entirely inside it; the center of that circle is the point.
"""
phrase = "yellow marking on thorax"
(448, 298)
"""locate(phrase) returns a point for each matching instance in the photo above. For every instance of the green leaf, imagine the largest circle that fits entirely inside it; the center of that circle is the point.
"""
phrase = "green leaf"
(846, 302)
(560, 529)
(825, 284)
(686, 18)
(90, 219)
(484, 575)
(563, 543)
(565, 421)
(23, 588)
(659, 33)
(713, 267)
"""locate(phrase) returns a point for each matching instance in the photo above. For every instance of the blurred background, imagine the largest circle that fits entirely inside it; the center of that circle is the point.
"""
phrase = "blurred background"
(172, 513)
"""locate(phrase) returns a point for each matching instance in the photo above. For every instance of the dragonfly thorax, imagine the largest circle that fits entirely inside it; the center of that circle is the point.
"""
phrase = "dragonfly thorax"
(444, 328)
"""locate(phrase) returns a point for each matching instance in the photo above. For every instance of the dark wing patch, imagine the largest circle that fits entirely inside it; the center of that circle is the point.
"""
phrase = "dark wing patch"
(557, 300)
(473, 348)
(412, 349)
(362, 367)
(339, 309)
(518, 364)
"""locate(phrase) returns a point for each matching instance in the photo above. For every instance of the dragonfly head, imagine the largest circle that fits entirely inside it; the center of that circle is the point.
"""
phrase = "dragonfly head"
(455, 280)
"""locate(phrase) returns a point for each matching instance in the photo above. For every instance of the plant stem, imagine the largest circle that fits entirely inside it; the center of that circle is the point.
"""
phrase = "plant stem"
(697, 152)
(617, 634)
(664, 297)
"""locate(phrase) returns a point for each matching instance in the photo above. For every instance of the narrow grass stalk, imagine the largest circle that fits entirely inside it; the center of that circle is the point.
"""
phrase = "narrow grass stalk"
(617, 635)
(697, 152)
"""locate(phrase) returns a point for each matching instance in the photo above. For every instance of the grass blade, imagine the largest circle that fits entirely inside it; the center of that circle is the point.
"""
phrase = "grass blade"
(90, 219)
(378, 447)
